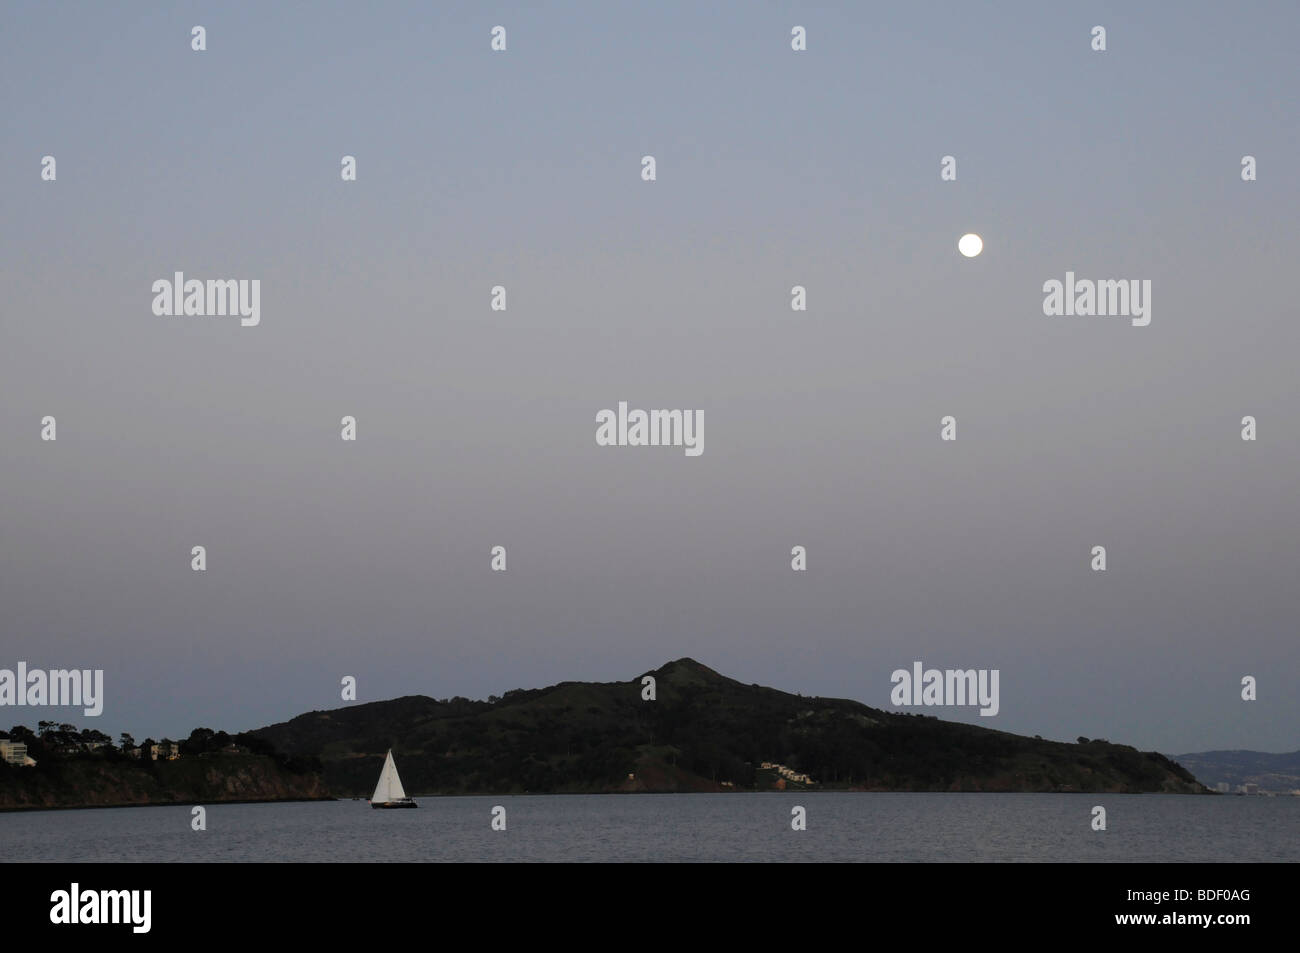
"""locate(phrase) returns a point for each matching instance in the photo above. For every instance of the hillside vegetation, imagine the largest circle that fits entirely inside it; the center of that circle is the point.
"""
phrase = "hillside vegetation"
(703, 732)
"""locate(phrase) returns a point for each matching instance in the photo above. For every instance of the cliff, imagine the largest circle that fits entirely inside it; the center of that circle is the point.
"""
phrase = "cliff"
(98, 782)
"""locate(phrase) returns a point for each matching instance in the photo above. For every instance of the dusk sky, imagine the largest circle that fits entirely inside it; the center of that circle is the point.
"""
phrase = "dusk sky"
(476, 427)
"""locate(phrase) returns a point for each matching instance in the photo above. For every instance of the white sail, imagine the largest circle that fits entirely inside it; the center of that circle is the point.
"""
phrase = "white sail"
(389, 787)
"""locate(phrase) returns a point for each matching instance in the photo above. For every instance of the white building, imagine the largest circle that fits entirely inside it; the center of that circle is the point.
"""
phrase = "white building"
(15, 752)
(165, 751)
(788, 774)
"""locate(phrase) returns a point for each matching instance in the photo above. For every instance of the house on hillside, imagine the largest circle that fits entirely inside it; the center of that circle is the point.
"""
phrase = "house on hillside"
(165, 751)
(15, 753)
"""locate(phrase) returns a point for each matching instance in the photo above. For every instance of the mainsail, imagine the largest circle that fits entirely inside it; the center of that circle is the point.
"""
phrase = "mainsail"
(389, 787)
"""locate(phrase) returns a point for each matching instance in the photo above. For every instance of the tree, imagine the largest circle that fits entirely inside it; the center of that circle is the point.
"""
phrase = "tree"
(22, 733)
(199, 742)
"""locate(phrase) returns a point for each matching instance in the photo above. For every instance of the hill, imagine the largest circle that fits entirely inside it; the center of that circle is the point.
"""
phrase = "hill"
(1278, 773)
(703, 732)
(96, 782)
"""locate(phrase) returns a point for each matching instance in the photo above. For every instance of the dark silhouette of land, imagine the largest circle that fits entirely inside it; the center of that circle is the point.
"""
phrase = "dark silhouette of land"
(1275, 773)
(703, 732)
(85, 769)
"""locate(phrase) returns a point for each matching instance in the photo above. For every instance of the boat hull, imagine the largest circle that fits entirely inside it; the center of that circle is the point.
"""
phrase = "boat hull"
(392, 805)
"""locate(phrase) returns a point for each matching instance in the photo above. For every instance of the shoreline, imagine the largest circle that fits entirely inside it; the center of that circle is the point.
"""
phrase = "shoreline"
(26, 808)
(432, 797)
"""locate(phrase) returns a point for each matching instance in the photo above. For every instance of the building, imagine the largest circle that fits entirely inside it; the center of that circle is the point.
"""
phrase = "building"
(785, 774)
(15, 752)
(1223, 787)
(165, 751)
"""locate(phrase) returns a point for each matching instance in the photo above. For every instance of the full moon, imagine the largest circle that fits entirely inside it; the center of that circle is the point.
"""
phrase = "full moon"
(970, 245)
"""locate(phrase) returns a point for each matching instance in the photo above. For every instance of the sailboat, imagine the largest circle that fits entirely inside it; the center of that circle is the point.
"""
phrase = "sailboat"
(388, 792)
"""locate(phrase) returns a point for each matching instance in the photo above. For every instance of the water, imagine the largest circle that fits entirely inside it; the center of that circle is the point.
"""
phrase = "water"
(679, 827)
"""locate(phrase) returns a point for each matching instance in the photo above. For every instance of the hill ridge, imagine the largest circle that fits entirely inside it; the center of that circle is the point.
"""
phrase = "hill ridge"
(703, 731)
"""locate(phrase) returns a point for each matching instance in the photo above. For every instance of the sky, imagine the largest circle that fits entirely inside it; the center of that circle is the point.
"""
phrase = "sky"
(475, 427)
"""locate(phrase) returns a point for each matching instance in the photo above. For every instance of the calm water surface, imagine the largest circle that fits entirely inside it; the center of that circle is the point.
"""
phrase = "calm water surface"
(679, 827)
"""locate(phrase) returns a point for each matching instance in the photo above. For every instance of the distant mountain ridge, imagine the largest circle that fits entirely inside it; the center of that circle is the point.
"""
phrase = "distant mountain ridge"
(703, 732)
(1278, 773)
